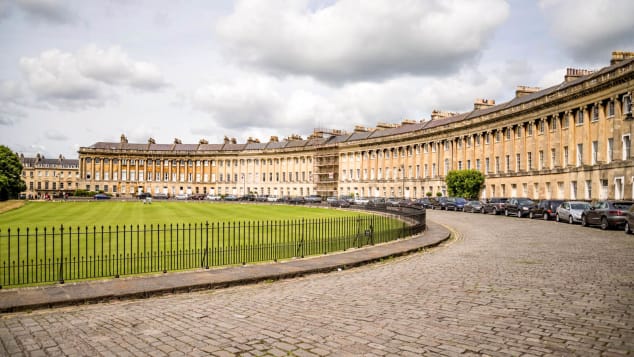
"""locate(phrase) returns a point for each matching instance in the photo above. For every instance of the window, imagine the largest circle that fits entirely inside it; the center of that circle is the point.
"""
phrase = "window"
(518, 162)
(565, 156)
(573, 190)
(564, 121)
(611, 109)
(508, 134)
(595, 151)
(627, 104)
(529, 161)
(588, 190)
(541, 160)
(529, 130)
(553, 124)
(580, 117)
(610, 150)
(498, 136)
(487, 167)
(595, 113)
(626, 147)
(487, 138)
(459, 164)
(508, 163)
(446, 143)
(579, 154)
(518, 132)
(478, 164)
(446, 166)
(497, 164)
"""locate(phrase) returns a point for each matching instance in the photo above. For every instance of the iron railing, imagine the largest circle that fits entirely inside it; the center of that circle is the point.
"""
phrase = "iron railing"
(33, 256)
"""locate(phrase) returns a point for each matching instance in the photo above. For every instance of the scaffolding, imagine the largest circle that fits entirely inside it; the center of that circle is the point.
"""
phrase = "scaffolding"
(326, 163)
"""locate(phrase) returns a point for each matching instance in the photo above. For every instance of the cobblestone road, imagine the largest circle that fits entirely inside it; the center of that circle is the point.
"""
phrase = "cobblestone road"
(506, 286)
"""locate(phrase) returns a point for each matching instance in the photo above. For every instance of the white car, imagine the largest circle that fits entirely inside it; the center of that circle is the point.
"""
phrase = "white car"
(212, 198)
(182, 196)
(272, 199)
(570, 211)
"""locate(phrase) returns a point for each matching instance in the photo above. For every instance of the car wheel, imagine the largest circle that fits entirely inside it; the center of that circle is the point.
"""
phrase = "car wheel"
(545, 216)
(557, 217)
(570, 220)
(519, 214)
(482, 210)
(531, 215)
(506, 212)
(584, 221)
(627, 228)
(604, 223)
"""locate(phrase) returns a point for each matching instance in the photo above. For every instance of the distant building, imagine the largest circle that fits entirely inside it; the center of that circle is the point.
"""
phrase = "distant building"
(572, 140)
(49, 177)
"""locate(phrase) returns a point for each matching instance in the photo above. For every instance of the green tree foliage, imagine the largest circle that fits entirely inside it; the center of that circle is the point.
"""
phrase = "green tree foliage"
(10, 170)
(464, 183)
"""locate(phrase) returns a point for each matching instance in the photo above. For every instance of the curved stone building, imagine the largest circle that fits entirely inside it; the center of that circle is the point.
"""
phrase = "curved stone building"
(569, 141)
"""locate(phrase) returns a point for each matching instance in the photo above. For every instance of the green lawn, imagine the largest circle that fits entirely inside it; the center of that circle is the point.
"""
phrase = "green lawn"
(113, 238)
(112, 213)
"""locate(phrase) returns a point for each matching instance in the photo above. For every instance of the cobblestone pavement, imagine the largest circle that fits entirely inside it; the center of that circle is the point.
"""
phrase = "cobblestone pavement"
(505, 286)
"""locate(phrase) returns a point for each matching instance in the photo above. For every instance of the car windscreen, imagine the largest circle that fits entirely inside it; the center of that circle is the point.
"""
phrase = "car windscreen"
(579, 206)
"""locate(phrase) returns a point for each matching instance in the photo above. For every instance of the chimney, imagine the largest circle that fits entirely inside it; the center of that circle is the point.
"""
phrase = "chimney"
(151, 141)
(620, 56)
(124, 140)
(227, 140)
(521, 91)
(360, 129)
(61, 157)
(203, 142)
(439, 114)
(274, 139)
(293, 137)
(234, 141)
(408, 121)
(484, 103)
(574, 73)
(381, 126)
(177, 141)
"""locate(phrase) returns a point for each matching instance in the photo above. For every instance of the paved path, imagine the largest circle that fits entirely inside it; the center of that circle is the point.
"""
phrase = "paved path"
(506, 286)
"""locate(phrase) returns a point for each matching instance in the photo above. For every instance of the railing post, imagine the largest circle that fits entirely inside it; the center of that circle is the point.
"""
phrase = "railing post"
(61, 260)
(206, 259)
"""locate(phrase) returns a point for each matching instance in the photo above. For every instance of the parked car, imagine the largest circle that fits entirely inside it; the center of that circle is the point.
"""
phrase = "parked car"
(606, 214)
(495, 205)
(182, 196)
(547, 209)
(425, 202)
(571, 211)
(297, 200)
(519, 207)
(440, 203)
(392, 201)
(339, 203)
(196, 197)
(262, 198)
(101, 196)
(331, 199)
(160, 196)
(212, 198)
(231, 198)
(361, 201)
(629, 220)
(455, 204)
(313, 199)
(248, 197)
(473, 207)
(272, 198)
(377, 203)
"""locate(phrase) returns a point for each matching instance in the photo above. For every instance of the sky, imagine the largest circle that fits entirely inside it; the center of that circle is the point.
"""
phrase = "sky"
(73, 73)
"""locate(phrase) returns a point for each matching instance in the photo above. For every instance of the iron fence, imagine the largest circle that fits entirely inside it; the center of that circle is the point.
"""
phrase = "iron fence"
(33, 256)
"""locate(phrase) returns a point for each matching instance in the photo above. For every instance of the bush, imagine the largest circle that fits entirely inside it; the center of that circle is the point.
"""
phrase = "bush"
(464, 183)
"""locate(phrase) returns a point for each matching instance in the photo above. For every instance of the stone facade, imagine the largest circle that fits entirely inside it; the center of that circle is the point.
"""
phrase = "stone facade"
(569, 141)
(49, 177)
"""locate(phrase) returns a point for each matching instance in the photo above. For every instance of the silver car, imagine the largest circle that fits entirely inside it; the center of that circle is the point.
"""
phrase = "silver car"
(571, 211)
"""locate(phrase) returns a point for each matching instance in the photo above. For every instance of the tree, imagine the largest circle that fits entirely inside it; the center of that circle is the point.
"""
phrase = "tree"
(464, 183)
(10, 170)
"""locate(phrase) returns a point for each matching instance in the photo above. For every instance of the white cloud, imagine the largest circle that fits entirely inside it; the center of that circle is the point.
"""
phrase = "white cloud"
(356, 39)
(113, 66)
(87, 78)
(592, 29)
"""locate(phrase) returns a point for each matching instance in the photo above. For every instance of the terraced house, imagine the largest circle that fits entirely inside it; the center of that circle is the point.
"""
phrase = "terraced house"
(572, 140)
